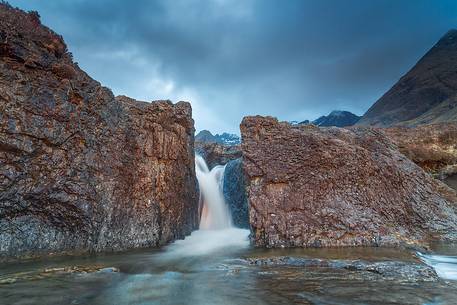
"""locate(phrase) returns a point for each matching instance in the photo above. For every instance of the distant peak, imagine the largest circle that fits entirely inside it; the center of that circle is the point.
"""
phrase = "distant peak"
(452, 33)
(338, 113)
(448, 40)
(224, 138)
(205, 132)
(338, 118)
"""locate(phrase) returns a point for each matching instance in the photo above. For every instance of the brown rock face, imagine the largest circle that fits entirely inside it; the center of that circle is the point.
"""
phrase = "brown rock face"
(81, 170)
(216, 153)
(308, 186)
(432, 147)
(424, 95)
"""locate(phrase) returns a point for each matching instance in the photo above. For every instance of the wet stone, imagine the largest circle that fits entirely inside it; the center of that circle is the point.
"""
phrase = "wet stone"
(380, 270)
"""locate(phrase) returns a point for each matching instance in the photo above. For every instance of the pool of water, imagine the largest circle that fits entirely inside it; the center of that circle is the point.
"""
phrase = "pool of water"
(210, 268)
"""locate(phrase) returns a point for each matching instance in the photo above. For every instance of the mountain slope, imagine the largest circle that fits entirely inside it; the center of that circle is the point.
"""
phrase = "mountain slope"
(426, 94)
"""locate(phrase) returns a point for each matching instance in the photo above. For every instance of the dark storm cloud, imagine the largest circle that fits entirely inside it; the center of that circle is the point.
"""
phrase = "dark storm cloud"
(291, 59)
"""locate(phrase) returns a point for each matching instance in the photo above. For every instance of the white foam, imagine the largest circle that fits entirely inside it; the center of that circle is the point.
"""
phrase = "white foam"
(445, 266)
(204, 242)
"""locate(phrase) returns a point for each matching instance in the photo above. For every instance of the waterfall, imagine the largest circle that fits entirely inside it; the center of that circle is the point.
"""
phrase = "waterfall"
(216, 235)
(215, 214)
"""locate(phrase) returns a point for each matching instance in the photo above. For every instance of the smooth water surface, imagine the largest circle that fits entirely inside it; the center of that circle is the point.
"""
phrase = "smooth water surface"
(216, 273)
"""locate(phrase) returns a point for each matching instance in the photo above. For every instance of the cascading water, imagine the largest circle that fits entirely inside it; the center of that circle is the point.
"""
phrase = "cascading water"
(216, 229)
(215, 214)
(445, 266)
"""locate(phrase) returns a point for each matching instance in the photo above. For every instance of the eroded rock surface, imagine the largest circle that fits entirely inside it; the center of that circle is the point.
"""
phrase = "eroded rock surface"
(81, 170)
(310, 186)
(432, 147)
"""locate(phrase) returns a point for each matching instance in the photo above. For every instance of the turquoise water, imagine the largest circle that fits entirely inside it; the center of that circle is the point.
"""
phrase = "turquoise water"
(211, 269)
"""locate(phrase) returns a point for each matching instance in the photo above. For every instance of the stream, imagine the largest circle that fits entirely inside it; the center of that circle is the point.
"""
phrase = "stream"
(220, 274)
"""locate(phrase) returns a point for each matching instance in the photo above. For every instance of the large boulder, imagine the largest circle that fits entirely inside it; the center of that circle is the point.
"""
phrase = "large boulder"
(81, 170)
(311, 186)
(234, 190)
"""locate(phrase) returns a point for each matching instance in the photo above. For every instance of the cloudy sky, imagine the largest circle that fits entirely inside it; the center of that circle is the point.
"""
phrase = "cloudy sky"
(293, 59)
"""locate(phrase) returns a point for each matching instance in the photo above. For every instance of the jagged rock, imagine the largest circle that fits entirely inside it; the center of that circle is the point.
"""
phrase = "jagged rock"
(81, 170)
(310, 186)
(432, 147)
(235, 193)
(424, 95)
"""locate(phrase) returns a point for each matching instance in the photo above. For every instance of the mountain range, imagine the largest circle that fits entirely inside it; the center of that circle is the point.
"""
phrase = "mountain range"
(426, 94)
(224, 138)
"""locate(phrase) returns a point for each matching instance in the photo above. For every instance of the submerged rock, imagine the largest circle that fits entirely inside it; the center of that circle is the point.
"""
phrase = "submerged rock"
(235, 193)
(54, 271)
(81, 170)
(320, 187)
(383, 270)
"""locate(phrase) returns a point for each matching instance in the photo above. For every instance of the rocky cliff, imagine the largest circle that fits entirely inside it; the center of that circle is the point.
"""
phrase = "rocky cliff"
(426, 94)
(81, 170)
(432, 147)
(310, 186)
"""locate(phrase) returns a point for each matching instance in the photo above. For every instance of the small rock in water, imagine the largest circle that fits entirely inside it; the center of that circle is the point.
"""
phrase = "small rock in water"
(53, 271)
